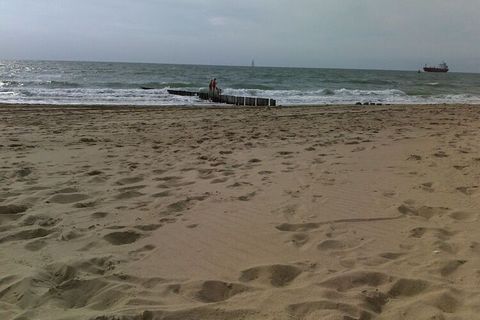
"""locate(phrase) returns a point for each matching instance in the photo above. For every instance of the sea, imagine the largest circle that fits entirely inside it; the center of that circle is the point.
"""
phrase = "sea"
(105, 83)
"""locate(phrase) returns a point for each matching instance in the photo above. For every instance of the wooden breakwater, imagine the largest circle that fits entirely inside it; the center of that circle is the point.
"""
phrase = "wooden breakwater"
(222, 98)
(183, 93)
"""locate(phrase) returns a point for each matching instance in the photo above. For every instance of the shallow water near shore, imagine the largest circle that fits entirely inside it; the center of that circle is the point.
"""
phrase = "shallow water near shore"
(56, 82)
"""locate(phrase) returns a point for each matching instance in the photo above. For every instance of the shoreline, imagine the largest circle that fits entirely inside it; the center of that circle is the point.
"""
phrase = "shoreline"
(228, 107)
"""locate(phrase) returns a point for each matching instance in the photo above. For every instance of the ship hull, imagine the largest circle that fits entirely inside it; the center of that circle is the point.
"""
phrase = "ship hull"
(439, 70)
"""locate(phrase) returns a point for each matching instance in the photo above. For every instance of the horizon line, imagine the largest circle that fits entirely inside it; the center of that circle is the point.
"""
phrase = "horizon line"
(221, 65)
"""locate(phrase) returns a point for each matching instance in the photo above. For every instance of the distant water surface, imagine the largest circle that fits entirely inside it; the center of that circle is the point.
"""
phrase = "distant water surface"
(55, 82)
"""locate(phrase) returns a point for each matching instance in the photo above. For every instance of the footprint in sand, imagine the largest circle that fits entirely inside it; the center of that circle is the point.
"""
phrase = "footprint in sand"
(326, 309)
(36, 245)
(130, 194)
(178, 206)
(440, 154)
(148, 227)
(122, 237)
(414, 157)
(219, 180)
(141, 252)
(303, 227)
(438, 238)
(332, 244)
(87, 204)
(408, 288)
(129, 180)
(463, 216)
(172, 181)
(96, 265)
(378, 260)
(22, 173)
(392, 255)
(68, 235)
(470, 190)
(239, 184)
(298, 227)
(423, 211)
(27, 234)
(99, 215)
(355, 279)
(162, 194)
(206, 174)
(40, 220)
(389, 194)
(167, 220)
(88, 140)
(299, 239)
(247, 197)
(285, 154)
(12, 209)
(447, 267)
(275, 275)
(217, 291)
(265, 172)
(254, 160)
(438, 233)
(427, 186)
(94, 173)
(67, 198)
(67, 190)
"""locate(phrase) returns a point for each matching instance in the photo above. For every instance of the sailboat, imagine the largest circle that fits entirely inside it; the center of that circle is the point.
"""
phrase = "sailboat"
(253, 63)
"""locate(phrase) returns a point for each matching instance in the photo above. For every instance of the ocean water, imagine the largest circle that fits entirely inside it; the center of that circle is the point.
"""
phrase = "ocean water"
(55, 82)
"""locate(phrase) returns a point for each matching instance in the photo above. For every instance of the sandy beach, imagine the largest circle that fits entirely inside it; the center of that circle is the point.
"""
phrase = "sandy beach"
(335, 213)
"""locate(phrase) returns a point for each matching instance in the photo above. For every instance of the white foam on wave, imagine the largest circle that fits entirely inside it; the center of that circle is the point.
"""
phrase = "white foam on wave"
(98, 96)
(8, 93)
(357, 92)
(351, 96)
(109, 96)
(324, 95)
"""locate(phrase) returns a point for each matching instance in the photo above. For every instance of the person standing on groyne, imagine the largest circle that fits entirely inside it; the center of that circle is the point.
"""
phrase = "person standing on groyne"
(213, 91)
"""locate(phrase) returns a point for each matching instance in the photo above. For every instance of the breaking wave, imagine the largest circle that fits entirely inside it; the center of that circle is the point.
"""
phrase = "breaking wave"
(119, 83)
(160, 96)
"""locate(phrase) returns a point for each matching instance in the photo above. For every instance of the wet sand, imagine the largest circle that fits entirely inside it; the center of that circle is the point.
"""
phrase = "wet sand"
(352, 212)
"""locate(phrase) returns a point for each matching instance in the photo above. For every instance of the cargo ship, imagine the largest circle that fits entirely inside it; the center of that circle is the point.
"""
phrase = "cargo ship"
(442, 67)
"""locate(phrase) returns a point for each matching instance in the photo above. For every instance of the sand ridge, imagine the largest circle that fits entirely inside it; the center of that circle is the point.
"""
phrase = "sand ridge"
(213, 213)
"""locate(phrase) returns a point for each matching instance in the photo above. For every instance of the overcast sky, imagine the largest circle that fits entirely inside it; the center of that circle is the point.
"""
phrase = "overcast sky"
(378, 34)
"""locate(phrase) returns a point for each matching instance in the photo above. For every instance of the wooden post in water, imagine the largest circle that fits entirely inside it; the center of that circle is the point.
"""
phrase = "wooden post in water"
(218, 98)
(262, 102)
(240, 101)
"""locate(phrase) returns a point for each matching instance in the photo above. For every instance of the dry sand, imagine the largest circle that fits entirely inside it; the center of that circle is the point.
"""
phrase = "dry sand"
(296, 213)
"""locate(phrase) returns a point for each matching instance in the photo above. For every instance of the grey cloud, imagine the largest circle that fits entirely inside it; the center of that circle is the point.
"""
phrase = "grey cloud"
(313, 33)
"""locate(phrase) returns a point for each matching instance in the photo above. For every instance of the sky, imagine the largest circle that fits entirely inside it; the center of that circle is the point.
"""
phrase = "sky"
(361, 34)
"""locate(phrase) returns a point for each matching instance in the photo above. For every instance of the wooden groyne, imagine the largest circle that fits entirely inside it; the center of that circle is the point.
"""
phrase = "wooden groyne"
(183, 93)
(221, 98)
